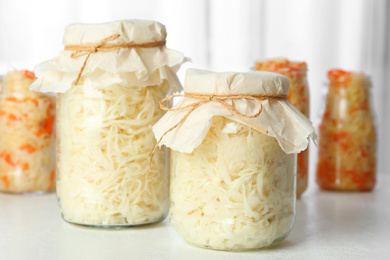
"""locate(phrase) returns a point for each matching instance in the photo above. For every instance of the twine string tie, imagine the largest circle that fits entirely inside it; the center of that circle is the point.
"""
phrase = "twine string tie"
(80, 50)
(221, 99)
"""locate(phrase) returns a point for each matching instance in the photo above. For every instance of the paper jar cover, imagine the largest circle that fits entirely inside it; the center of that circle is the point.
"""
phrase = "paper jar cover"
(282, 120)
(127, 67)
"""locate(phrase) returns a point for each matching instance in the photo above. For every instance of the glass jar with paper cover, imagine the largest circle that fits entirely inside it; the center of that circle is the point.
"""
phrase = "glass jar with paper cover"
(233, 137)
(109, 80)
(347, 135)
(299, 97)
(27, 143)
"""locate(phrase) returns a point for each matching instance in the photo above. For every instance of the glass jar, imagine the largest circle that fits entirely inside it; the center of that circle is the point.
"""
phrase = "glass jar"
(300, 98)
(27, 142)
(105, 120)
(104, 142)
(347, 145)
(227, 195)
(233, 159)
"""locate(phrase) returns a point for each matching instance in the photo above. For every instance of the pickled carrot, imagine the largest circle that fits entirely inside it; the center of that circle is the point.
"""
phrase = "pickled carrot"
(338, 136)
(13, 117)
(52, 105)
(47, 124)
(344, 146)
(301, 163)
(6, 181)
(25, 167)
(28, 148)
(52, 177)
(29, 74)
(8, 159)
(13, 99)
(33, 100)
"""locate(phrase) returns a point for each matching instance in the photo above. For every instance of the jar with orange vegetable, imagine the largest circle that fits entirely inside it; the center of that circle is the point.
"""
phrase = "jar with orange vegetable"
(299, 97)
(27, 147)
(348, 141)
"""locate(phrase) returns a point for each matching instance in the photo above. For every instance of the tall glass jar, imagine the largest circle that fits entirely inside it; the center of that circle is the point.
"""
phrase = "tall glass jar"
(105, 121)
(27, 146)
(233, 179)
(300, 98)
(347, 145)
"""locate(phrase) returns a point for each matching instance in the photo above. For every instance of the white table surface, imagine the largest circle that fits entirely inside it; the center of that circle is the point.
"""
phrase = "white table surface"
(329, 225)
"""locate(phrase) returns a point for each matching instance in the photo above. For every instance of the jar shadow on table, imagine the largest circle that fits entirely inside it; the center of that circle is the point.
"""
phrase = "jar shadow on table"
(98, 243)
(160, 224)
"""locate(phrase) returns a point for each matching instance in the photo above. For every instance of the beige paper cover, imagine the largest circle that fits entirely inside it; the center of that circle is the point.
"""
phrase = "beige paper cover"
(127, 67)
(282, 120)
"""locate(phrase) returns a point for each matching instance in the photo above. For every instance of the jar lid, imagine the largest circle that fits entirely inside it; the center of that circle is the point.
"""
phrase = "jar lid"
(134, 66)
(278, 117)
(138, 31)
(201, 81)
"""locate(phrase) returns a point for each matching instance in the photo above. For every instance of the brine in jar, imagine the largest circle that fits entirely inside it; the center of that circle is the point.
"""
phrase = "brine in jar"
(347, 135)
(300, 98)
(27, 141)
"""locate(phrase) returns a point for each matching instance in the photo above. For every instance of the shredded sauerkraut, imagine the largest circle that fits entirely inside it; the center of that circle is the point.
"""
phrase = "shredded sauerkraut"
(347, 144)
(27, 147)
(299, 97)
(235, 191)
(105, 139)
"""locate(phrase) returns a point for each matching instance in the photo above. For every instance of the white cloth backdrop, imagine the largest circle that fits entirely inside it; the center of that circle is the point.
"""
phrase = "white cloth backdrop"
(228, 35)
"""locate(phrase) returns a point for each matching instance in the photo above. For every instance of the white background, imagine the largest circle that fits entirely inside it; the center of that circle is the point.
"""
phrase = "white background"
(227, 35)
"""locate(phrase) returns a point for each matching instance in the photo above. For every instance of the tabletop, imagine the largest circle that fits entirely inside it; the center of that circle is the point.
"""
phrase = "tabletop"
(329, 225)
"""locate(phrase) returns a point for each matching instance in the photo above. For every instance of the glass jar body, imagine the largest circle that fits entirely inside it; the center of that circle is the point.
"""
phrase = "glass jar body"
(235, 191)
(27, 142)
(347, 145)
(104, 142)
(299, 96)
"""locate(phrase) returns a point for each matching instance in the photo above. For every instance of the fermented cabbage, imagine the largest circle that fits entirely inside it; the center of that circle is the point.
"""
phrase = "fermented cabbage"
(27, 147)
(299, 97)
(235, 191)
(105, 139)
(347, 146)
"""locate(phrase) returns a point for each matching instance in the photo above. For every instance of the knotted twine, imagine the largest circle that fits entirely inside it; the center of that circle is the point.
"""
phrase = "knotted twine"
(87, 49)
(221, 99)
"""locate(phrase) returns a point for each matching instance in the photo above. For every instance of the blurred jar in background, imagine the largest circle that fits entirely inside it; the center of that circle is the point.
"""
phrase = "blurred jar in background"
(27, 147)
(347, 144)
(299, 97)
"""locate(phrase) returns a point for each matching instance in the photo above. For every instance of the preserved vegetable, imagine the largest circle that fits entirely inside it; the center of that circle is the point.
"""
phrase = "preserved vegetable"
(299, 97)
(233, 137)
(27, 155)
(234, 191)
(109, 80)
(347, 146)
(104, 176)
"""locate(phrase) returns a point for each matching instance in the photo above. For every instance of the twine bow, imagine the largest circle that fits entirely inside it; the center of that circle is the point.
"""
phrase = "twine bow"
(87, 49)
(221, 99)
